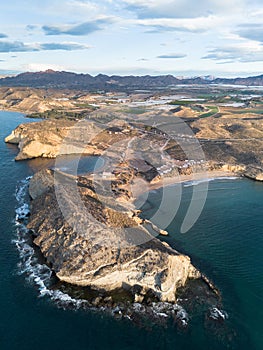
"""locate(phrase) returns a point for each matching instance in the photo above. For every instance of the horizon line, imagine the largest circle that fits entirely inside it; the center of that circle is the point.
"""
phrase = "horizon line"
(182, 76)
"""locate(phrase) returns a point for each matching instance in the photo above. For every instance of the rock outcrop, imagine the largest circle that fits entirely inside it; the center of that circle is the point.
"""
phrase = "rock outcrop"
(30, 100)
(237, 169)
(45, 139)
(92, 244)
(40, 139)
(254, 173)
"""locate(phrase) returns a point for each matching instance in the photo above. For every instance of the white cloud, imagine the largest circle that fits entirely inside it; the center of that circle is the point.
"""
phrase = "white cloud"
(182, 24)
(37, 67)
(87, 6)
(78, 29)
(243, 53)
(220, 30)
(181, 8)
(258, 13)
(251, 31)
(173, 55)
(19, 46)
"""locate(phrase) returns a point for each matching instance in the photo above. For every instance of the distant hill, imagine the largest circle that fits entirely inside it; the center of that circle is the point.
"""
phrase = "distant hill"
(249, 81)
(69, 80)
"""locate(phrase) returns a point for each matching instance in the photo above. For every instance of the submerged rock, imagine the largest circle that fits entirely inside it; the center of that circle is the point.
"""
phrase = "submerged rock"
(217, 314)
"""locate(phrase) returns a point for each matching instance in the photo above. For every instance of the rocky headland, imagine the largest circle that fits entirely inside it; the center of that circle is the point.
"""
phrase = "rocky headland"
(92, 239)
(254, 173)
(44, 139)
(228, 143)
(87, 228)
(101, 247)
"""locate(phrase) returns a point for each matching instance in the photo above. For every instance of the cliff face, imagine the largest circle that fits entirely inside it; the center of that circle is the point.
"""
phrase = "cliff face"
(254, 173)
(233, 151)
(232, 138)
(92, 247)
(44, 139)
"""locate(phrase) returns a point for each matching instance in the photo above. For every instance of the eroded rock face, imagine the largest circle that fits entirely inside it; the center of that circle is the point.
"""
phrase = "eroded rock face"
(47, 139)
(41, 183)
(41, 139)
(254, 173)
(34, 100)
(93, 247)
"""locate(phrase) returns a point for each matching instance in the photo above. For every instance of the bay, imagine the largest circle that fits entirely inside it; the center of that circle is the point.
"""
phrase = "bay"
(226, 243)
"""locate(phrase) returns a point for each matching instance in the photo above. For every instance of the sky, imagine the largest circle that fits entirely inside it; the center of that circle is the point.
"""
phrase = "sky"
(139, 37)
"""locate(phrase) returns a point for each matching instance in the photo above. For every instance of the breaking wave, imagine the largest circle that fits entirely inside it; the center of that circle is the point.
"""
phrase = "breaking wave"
(198, 182)
(38, 274)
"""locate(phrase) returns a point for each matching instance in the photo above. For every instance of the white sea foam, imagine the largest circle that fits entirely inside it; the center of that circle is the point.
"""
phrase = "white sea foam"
(218, 314)
(36, 273)
(183, 317)
(198, 182)
(40, 274)
(22, 212)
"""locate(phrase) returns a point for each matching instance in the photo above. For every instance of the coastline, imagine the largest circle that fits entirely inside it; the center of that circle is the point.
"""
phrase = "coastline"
(233, 298)
(38, 273)
(164, 255)
(138, 189)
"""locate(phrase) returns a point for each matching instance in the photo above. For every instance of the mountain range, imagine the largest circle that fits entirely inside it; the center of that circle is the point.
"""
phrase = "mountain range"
(70, 80)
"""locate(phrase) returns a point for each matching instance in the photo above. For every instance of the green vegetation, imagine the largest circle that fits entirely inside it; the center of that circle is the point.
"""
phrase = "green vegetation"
(212, 111)
(134, 110)
(256, 111)
(55, 114)
(247, 110)
(181, 102)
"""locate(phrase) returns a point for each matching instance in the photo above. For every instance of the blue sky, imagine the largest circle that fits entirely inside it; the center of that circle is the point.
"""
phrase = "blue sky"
(179, 37)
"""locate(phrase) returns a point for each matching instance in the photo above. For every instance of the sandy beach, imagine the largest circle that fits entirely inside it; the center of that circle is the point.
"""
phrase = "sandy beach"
(141, 186)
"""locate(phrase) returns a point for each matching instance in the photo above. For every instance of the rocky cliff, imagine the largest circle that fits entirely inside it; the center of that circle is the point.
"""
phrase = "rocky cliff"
(228, 145)
(98, 246)
(254, 173)
(44, 139)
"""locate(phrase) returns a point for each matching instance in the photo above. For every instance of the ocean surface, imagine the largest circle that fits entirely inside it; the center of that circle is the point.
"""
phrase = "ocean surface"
(226, 243)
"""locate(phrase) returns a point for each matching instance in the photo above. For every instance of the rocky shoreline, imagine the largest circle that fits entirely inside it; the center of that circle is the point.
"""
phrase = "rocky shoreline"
(139, 298)
(46, 139)
(97, 241)
(102, 247)
(197, 294)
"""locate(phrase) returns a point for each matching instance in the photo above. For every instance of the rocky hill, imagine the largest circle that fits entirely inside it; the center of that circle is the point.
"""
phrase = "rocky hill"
(100, 247)
(95, 240)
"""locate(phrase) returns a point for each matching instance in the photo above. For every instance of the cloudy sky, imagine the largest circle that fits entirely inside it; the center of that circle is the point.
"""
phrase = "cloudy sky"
(180, 37)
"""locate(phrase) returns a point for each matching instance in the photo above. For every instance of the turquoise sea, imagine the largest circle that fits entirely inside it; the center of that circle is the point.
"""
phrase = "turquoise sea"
(226, 243)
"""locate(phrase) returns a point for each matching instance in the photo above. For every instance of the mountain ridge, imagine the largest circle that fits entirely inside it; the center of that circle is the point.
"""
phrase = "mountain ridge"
(81, 81)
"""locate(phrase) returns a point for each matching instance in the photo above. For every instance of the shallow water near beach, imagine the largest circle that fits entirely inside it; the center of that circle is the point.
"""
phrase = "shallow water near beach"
(226, 243)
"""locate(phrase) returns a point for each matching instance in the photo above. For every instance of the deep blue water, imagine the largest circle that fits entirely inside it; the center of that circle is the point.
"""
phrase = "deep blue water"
(226, 243)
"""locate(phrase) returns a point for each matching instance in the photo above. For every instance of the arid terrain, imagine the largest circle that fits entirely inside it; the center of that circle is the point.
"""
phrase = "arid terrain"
(226, 121)
(147, 140)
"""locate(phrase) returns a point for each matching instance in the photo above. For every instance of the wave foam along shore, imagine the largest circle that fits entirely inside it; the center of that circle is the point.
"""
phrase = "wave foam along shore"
(39, 274)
